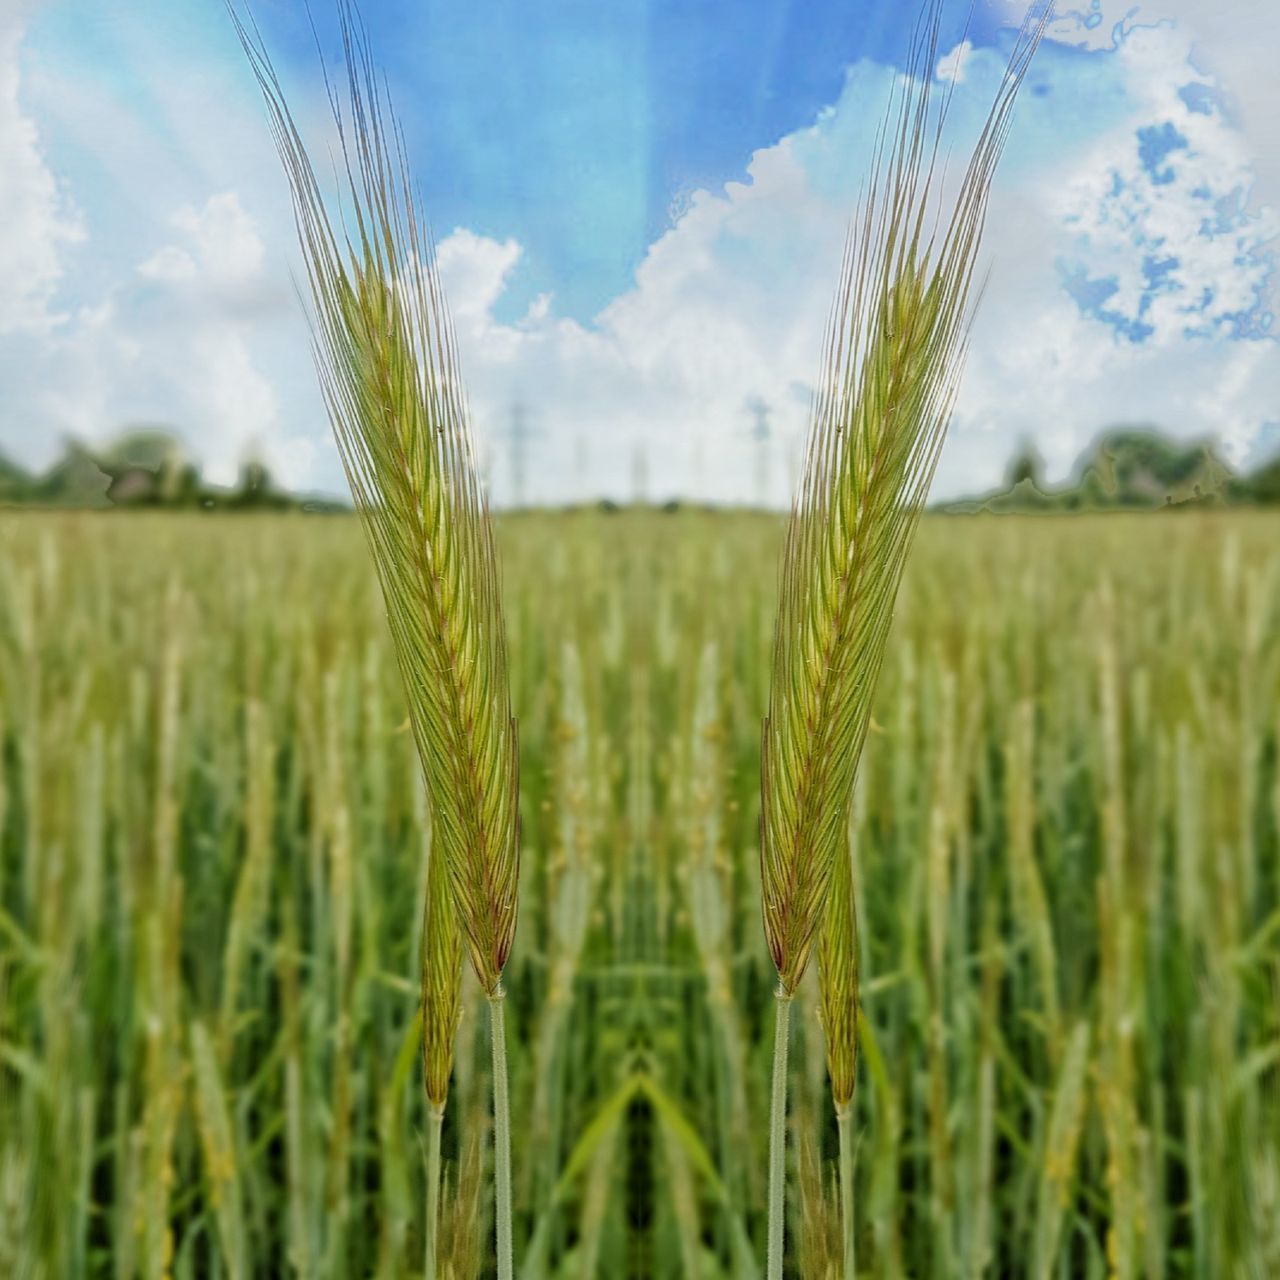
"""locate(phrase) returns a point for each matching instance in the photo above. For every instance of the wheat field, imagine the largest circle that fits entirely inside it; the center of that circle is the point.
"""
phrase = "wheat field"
(213, 852)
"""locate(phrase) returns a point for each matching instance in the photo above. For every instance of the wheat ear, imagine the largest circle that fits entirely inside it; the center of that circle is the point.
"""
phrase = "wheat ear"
(895, 347)
(384, 352)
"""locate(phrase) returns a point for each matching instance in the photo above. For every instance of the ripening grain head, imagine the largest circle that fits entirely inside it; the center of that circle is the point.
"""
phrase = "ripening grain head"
(384, 352)
(895, 348)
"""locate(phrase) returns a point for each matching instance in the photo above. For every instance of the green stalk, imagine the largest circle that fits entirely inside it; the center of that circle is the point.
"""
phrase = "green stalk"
(778, 1138)
(501, 1135)
(844, 1122)
(435, 1124)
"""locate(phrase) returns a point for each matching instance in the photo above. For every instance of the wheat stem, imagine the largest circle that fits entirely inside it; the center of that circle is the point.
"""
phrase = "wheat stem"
(435, 1126)
(844, 1122)
(501, 1134)
(778, 1137)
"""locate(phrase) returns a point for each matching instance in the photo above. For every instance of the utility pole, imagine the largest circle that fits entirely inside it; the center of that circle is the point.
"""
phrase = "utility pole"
(518, 435)
(640, 474)
(581, 465)
(760, 432)
(698, 449)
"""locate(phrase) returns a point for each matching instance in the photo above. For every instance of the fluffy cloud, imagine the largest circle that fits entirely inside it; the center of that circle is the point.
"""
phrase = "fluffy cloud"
(475, 270)
(1125, 277)
(37, 218)
(1149, 306)
(170, 309)
(222, 248)
(179, 348)
(727, 309)
(1234, 41)
(951, 66)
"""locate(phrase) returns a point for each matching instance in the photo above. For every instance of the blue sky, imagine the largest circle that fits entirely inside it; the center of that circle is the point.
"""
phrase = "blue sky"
(582, 124)
(639, 207)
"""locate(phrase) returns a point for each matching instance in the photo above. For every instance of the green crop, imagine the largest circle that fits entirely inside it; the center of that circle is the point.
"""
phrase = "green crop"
(214, 860)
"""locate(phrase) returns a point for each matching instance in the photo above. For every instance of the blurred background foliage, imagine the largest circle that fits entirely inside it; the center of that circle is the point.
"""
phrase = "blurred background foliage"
(1125, 468)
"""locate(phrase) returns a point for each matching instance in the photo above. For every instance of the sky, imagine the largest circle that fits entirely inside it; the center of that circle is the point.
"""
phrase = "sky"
(639, 209)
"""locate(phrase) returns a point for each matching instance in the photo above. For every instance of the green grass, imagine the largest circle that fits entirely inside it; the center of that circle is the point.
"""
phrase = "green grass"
(212, 873)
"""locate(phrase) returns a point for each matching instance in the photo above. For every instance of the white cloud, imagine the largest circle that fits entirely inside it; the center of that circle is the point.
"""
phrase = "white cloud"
(1043, 367)
(1234, 40)
(181, 351)
(222, 248)
(210, 285)
(1174, 193)
(176, 305)
(1248, 374)
(951, 66)
(170, 265)
(728, 305)
(475, 270)
(241, 414)
(37, 221)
